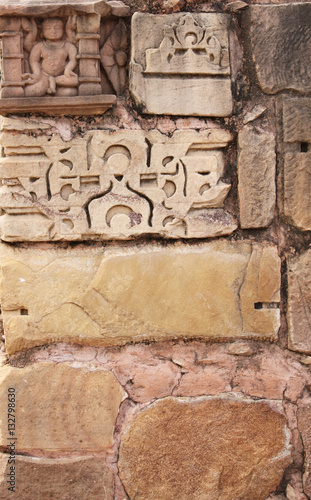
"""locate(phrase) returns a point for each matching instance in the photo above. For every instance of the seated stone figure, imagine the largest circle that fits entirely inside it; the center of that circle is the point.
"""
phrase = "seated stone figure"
(52, 62)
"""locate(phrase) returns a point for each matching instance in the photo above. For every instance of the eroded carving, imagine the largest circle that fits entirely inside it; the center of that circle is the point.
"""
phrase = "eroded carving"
(52, 60)
(114, 185)
(173, 60)
(52, 52)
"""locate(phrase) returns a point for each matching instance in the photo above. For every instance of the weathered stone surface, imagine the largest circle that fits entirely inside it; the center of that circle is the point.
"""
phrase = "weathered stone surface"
(304, 425)
(281, 42)
(180, 64)
(60, 408)
(294, 115)
(256, 171)
(218, 449)
(56, 479)
(299, 302)
(114, 185)
(215, 290)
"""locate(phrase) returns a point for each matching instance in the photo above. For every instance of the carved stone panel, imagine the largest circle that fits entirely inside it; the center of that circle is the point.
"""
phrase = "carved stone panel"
(114, 185)
(180, 64)
(62, 58)
(294, 116)
(216, 290)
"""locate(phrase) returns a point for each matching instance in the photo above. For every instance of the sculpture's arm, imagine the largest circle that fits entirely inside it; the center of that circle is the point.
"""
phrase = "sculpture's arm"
(72, 56)
(30, 26)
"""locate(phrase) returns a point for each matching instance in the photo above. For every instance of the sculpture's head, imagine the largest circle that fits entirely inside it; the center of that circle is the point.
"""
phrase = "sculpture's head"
(53, 29)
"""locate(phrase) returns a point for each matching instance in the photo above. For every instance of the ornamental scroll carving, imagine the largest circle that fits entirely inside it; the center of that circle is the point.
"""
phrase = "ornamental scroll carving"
(57, 52)
(114, 185)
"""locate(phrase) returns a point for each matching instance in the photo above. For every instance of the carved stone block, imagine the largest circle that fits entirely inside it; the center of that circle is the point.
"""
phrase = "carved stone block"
(281, 44)
(256, 170)
(294, 116)
(299, 302)
(180, 64)
(211, 291)
(114, 185)
(53, 52)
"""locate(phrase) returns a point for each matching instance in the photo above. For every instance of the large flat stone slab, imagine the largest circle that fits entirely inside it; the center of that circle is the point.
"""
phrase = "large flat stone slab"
(97, 297)
(59, 408)
(256, 171)
(218, 449)
(117, 185)
(180, 64)
(281, 44)
(299, 302)
(55, 478)
(294, 138)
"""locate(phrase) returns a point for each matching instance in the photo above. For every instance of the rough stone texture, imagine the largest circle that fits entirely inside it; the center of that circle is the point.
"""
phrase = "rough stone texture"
(281, 43)
(143, 293)
(180, 64)
(299, 302)
(56, 479)
(256, 171)
(304, 425)
(60, 408)
(114, 185)
(294, 116)
(204, 448)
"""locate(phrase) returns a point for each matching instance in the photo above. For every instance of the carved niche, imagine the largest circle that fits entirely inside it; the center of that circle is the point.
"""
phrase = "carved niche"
(114, 185)
(180, 64)
(62, 57)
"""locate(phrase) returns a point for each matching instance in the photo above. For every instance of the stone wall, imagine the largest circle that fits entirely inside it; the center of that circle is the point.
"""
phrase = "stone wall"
(155, 258)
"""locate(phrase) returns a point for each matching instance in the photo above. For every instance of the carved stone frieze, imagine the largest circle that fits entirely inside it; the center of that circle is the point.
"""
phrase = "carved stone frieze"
(294, 117)
(180, 64)
(58, 50)
(114, 185)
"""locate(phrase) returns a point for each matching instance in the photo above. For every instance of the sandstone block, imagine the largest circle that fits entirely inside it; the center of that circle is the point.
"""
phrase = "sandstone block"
(218, 449)
(281, 43)
(304, 425)
(299, 302)
(56, 479)
(256, 171)
(99, 297)
(59, 408)
(114, 185)
(180, 64)
(294, 116)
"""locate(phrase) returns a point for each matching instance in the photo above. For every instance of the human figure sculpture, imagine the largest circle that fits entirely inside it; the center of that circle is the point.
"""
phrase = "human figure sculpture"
(51, 61)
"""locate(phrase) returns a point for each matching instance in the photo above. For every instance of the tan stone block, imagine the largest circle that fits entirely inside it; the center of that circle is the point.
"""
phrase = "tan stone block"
(299, 302)
(98, 297)
(256, 171)
(204, 448)
(114, 185)
(56, 479)
(304, 426)
(175, 73)
(294, 118)
(59, 408)
(281, 49)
